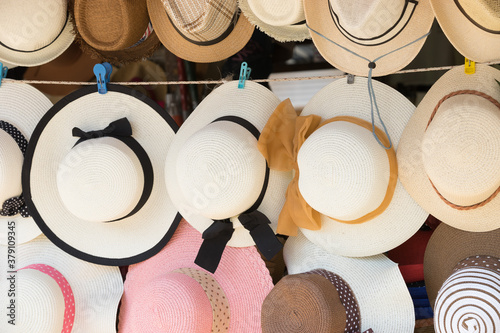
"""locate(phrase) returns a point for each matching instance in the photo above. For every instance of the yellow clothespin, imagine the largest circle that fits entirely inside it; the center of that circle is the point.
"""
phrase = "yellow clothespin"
(470, 66)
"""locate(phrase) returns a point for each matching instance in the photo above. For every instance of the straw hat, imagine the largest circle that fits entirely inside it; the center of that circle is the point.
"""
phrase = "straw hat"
(33, 32)
(370, 29)
(303, 303)
(55, 290)
(472, 26)
(169, 293)
(21, 108)
(450, 150)
(200, 30)
(458, 301)
(283, 20)
(347, 197)
(116, 31)
(102, 198)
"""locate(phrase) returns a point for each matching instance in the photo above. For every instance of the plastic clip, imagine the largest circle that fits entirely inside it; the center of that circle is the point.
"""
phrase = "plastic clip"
(3, 72)
(244, 75)
(470, 66)
(350, 79)
(103, 74)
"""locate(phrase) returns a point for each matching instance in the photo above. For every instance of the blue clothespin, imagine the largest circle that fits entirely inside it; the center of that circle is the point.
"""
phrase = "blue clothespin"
(244, 75)
(103, 74)
(3, 73)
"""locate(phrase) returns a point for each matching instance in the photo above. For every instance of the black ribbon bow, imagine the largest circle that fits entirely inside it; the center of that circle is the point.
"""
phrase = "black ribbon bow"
(14, 206)
(120, 127)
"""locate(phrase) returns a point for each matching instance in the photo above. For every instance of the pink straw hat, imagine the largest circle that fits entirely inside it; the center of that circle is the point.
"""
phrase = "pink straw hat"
(170, 293)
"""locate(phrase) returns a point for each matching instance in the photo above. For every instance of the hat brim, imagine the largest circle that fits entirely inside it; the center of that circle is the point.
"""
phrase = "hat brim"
(96, 289)
(411, 167)
(255, 103)
(403, 217)
(318, 17)
(178, 45)
(384, 302)
(447, 247)
(132, 239)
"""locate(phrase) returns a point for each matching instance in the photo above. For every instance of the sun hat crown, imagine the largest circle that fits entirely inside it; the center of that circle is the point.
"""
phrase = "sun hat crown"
(278, 12)
(485, 13)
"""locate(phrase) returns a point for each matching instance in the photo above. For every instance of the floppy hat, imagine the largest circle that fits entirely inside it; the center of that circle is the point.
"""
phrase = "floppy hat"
(472, 26)
(375, 284)
(55, 292)
(21, 108)
(463, 279)
(33, 32)
(169, 293)
(283, 20)
(370, 29)
(450, 150)
(93, 176)
(347, 197)
(200, 30)
(217, 178)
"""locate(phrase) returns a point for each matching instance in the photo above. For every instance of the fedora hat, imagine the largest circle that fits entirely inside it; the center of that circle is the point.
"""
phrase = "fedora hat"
(200, 30)
(472, 26)
(347, 197)
(370, 29)
(21, 108)
(169, 293)
(217, 178)
(93, 176)
(283, 20)
(462, 276)
(33, 32)
(450, 150)
(116, 31)
(56, 292)
(329, 293)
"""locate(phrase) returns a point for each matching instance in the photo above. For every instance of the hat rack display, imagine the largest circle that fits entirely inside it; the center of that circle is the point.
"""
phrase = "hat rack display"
(198, 214)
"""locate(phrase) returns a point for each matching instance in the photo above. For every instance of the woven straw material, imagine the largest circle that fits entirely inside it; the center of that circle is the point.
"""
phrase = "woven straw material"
(122, 242)
(31, 25)
(241, 274)
(97, 291)
(225, 173)
(206, 20)
(463, 139)
(22, 106)
(403, 217)
(384, 302)
(470, 40)
(367, 18)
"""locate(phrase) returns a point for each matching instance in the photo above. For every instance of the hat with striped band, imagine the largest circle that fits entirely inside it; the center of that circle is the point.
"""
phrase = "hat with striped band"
(56, 292)
(21, 109)
(462, 276)
(33, 32)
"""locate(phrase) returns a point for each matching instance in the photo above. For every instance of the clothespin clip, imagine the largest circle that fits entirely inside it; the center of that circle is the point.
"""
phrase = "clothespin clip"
(103, 74)
(244, 75)
(3, 72)
(470, 66)
(350, 79)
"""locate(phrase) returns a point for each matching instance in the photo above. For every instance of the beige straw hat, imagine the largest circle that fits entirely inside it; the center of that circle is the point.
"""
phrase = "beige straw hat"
(200, 30)
(283, 20)
(472, 26)
(33, 32)
(370, 29)
(450, 151)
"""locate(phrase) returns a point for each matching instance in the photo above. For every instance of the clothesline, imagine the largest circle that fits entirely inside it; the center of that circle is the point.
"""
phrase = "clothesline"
(327, 77)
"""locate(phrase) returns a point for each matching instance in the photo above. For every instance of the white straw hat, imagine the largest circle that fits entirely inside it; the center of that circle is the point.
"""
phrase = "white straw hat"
(385, 305)
(283, 20)
(102, 198)
(370, 29)
(21, 107)
(450, 150)
(55, 290)
(472, 26)
(33, 32)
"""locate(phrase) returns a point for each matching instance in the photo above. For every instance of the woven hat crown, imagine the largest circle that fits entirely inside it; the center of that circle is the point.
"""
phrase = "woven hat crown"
(278, 12)
(484, 12)
(11, 162)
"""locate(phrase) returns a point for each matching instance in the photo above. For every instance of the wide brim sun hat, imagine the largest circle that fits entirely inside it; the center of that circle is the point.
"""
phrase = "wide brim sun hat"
(93, 176)
(33, 32)
(56, 292)
(169, 293)
(370, 29)
(21, 109)
(450, 150)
